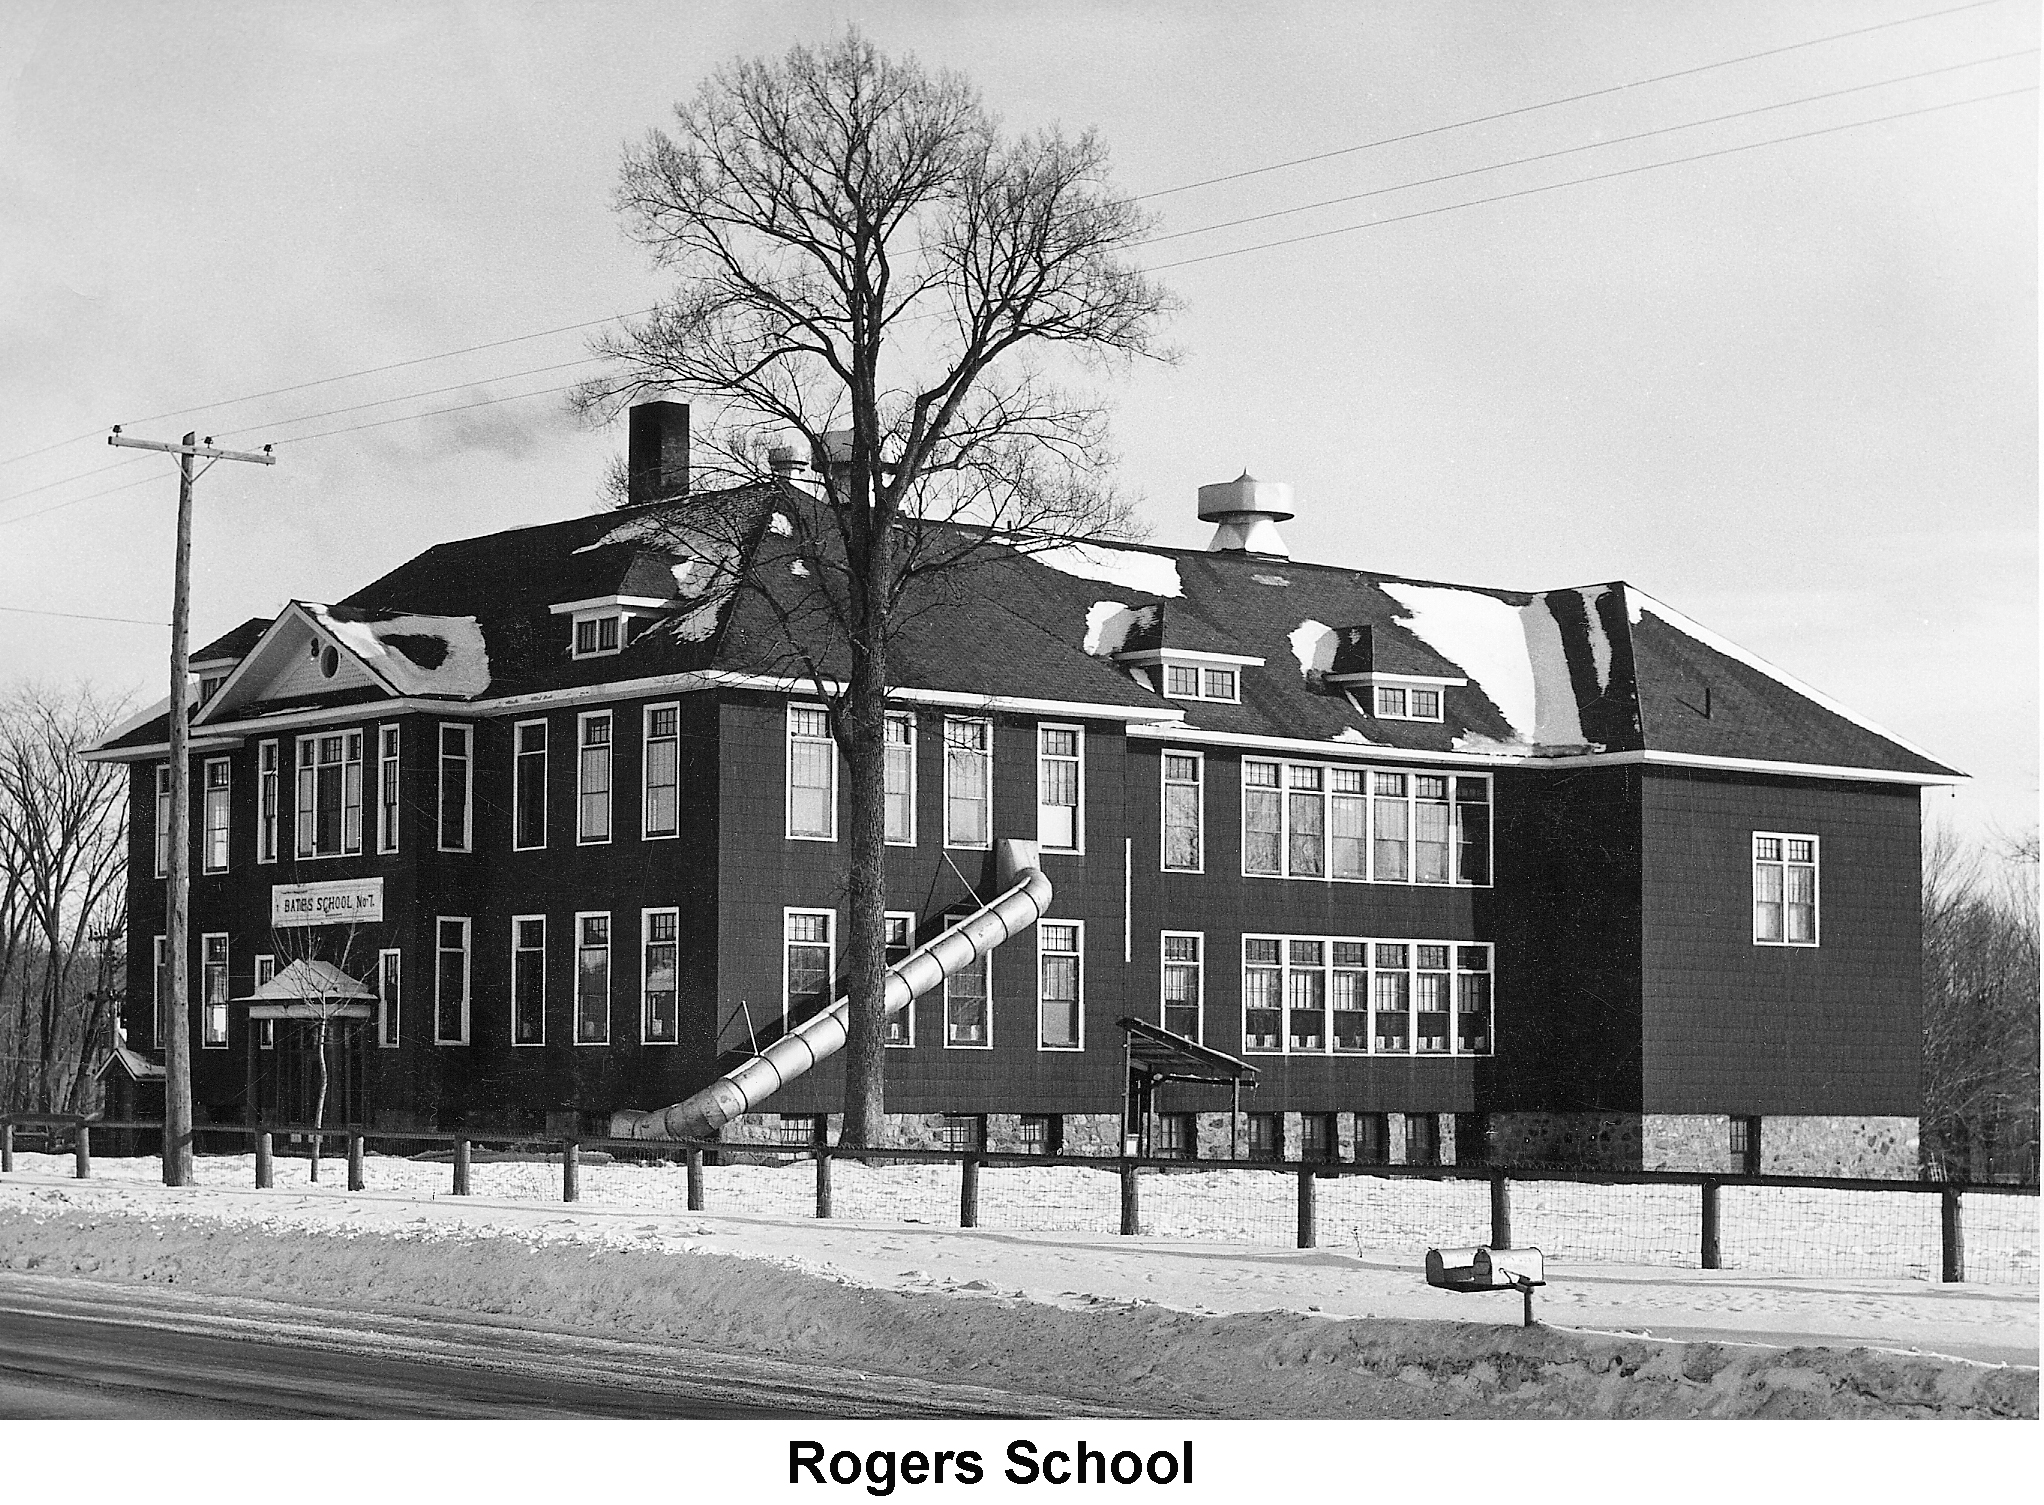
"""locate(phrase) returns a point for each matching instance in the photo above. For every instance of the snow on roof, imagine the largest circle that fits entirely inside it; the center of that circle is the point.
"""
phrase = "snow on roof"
(1638, 601)
(1109, 623)
(1513, 653)
(1313, 646)
(417, 655)
(1132, 569)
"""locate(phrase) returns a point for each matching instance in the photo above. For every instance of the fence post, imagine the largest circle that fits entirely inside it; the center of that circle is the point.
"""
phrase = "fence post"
(1131, 1208)
(357, 1178)
(1308, 1232)
(571, 1170)
(266, 1173)
(461, 1167)
(1713, 1250)
(84, 1147)
(1500, 1211)
(822, 1182)
(1954, 1234)
(6, 1147)
(695, 1180)
(968, 1192)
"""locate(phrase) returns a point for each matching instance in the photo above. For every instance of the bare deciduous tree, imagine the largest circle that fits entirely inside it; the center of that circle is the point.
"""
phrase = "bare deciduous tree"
(63, 878)
(1980, 1000)
(868, 266)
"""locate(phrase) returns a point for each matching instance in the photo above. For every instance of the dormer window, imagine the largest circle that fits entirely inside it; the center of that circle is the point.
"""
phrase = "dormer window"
(209, 685)
(1408, 703)
(1185, 675)
(596, 635)
(1190, 682)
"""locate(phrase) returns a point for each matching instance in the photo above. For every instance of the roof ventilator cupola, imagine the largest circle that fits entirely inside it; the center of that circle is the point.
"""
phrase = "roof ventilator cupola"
(1246, 513)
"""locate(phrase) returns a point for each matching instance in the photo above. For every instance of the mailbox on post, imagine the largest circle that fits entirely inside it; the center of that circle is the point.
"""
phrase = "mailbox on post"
(1488, 1270)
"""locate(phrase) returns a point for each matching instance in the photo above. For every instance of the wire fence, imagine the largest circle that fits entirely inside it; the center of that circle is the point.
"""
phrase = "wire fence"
(1824, 1226)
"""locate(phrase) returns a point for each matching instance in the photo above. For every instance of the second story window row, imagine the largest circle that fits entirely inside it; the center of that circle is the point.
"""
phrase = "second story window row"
(330, 794)
(1311, 820)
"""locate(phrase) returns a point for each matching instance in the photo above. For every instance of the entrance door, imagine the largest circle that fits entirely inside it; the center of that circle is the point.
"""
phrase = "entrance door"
(287, 1080)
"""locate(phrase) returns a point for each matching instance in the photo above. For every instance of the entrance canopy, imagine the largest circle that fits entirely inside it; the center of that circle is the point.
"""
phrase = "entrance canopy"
(310, 990)
(1161, 1056)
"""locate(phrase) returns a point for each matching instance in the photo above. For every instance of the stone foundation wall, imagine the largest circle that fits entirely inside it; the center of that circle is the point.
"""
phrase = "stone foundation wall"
(1566, 1141)
(1092, 1133)
(1686, 1142)
(1839, 1146)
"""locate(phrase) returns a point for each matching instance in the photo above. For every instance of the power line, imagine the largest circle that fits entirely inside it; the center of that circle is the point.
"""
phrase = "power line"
(1568, 151)
(90, 496)
(1155, 193)
(66, 480)
(429, 413)
(408, 396)
(1601, 177)
(79, 616)
(1639, 83)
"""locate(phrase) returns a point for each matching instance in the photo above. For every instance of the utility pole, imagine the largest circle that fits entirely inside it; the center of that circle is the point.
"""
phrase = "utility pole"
(177, 1052)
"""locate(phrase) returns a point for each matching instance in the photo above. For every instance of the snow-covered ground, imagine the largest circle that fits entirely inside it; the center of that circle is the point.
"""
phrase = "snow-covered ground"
(1788, 1231)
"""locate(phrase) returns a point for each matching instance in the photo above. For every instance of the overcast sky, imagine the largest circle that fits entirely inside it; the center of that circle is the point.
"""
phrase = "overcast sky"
(1790, 390)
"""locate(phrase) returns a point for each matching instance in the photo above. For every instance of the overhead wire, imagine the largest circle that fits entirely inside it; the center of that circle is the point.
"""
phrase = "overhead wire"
(1516, 111)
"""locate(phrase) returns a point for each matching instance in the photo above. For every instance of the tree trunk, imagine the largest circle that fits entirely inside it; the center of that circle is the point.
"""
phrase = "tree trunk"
(866, 901)
(319, 1100)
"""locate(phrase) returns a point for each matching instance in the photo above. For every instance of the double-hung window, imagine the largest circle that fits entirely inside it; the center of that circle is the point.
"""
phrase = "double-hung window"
(1304, 820)
(268, 797)
(450, 980)
(528, 979)
(457, 761)
(1184, 841)
(266, 1029)
(160, 999)
(389, 997)
(968, 1017)
(900, 1028)
(330, 794)
(592, 808)
(1784, 889)
(812, 775)
(1060, 768)
(901, 779)
(1263, 819)
(386, 788)
(1390, 831)
(1060, 985)
(809, 962)
(663, 772)
(162, 819)
(1182, 982)
(1348, 818)
(528, 786)
(592, 979)
(219, 813)
(659, 1019)
(213, 995)
(968, 782)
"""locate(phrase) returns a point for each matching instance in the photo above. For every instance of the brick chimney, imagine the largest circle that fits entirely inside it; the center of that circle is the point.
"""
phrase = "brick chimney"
(656, 454)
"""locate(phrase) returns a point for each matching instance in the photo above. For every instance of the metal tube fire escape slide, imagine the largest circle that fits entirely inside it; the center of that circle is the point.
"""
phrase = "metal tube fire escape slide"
(745, 1087)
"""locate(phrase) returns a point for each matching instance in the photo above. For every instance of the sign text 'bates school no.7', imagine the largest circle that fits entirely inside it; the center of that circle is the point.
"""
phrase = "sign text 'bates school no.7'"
(345, 901)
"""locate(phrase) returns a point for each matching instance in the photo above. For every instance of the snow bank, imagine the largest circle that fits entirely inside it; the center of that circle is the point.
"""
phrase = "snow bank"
(417, 655)
(1132, 569)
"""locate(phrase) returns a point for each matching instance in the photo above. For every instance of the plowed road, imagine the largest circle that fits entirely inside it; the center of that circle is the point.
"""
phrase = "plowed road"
(81, 1348)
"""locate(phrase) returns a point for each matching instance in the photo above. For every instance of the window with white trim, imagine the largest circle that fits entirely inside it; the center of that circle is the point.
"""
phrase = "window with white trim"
(1184, 812)
(662, 802)
(162, 819)
(457, 792)
(1318, 995)
(1183, 982)
(809, 963)
(213, 992)
(1060, 778)
(160, 969)
(450, 980)
(1199, 682)
(968, 1017)
(901, 779)
(900, 1028)
(812, 775)
(659, 970)
(528, 785)
(1407, 703)
(219, 814)
(528, 979)
(592, 979)
(968, 782)
(596, 636)
(1784, 889)
(592, 807)
(1356, 825)
(389, 998)
(268, 797)
(387, 738)
(1060, 967)
(330, 794)
(266, 1029)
